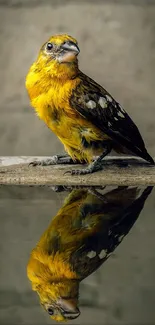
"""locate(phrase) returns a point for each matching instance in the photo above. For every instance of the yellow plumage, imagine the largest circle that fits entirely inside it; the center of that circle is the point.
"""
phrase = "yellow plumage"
(50, 86)
(86, 119)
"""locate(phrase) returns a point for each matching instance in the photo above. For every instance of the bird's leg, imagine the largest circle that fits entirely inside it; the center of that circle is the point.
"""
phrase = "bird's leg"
(59, 159)
(99, 195)
(61, 188)
(96, 165)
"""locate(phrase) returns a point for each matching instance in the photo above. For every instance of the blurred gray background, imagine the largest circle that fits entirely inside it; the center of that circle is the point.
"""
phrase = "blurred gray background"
(117, 42)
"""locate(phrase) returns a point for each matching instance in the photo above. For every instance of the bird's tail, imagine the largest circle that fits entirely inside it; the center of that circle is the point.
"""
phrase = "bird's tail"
(147, 157)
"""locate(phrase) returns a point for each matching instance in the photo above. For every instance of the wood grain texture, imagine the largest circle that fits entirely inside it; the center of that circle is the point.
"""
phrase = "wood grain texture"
(16, 171)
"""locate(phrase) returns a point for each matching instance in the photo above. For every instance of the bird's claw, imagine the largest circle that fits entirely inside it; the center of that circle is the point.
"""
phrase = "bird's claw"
(54, 160)
(34, 163)
(68, 172)
(59, 159)
(78, 172)
(72, 172)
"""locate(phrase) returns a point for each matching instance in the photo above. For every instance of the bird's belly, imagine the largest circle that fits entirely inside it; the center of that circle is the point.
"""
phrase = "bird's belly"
(83, 142)
(81, 139)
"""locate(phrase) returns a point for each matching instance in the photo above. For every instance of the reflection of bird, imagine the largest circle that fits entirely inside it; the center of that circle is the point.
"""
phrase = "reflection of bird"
(83, 115)
(78, 240)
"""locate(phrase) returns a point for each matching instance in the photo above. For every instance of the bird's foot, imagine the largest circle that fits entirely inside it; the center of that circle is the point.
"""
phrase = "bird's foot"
(96, 193)
(93, 167)
(60, 188)
(59, 159)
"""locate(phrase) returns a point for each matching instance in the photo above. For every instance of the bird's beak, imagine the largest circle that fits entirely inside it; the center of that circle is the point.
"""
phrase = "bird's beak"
(70, 47)
(70, 309)
(69, 51)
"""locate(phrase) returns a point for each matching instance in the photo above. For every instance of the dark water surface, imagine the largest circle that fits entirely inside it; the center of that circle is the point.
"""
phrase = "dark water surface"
(120, 291)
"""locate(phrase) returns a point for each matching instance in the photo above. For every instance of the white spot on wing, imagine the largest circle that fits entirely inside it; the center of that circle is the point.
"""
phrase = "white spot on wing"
(103, 253)
(91, 254)
(91, 104)
(102, 102)
(109, 124)
(120, 114)
(121, 108)
(108, 98)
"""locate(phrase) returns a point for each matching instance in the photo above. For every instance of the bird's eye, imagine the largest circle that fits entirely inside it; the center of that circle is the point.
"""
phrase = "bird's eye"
(50, 311)
(49, 46)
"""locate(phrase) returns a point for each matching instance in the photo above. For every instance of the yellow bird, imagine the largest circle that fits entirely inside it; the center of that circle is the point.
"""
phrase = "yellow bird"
(83, 115)
(85, 231)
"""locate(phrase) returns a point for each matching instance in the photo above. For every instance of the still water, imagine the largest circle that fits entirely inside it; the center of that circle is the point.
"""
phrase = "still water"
(101, 238)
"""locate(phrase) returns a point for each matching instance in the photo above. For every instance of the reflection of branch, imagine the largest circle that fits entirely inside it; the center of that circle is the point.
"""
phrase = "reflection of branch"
(91, 189)
(119, 171)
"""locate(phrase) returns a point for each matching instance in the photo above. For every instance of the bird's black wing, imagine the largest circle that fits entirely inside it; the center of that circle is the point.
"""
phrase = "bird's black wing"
(95, 104)
(96, 248)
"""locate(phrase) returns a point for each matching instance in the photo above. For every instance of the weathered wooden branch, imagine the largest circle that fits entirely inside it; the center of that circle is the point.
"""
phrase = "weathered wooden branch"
(133, 171)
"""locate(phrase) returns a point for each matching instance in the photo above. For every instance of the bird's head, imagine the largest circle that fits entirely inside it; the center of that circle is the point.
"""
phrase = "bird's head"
(60, 300)
(59, 55)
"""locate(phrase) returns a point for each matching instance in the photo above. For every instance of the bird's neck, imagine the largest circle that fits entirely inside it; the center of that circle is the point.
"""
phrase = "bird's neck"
(42, 78)
(64, 71)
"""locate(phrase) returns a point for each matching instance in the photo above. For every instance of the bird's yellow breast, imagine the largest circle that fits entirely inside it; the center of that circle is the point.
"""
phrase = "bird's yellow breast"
(50, 98)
